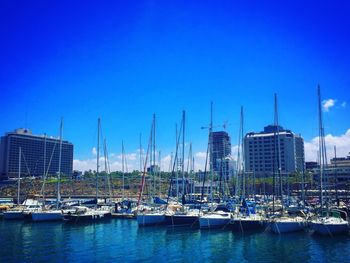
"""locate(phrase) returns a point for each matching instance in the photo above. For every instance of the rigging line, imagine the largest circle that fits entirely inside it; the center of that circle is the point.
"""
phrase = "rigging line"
(174, 161)
(144, 170)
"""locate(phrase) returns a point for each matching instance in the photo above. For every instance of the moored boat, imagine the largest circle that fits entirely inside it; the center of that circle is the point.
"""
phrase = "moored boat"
(47, 215)
(217, 219)
(288, 224)
(151, 218)
(331, 223)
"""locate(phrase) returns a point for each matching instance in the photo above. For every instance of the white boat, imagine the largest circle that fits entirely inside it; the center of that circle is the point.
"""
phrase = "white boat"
(332, 224)
(151, 218)
(24, 211)
(85, 214)
(246, 223)
(47, 215)
(287, 224)
(218, 219)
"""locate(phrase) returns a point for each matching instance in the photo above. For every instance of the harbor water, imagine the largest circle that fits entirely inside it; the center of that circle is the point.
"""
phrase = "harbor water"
(120, 240)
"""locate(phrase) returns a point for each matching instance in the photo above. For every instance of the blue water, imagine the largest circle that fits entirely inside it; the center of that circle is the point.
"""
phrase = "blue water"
(123, 241)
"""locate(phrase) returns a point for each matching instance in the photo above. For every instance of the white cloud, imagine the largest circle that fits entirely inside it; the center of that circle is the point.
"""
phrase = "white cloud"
(327, 104)
(129, 156)
(342, 143)
(234, 152)
(201, 155)
(94, 151)
(343, 105)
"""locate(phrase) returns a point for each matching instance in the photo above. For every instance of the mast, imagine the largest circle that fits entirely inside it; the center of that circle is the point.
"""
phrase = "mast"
(176, 161)
(278, 151)
(183, 153)
(98, 155)
(59, 166)
(123, 170)
(321, 145)
(336, 174)
(145, 168)
(242, 154)
(211, 150)
(105, 159)
(189, 169)
(160, 173)
(107, 169)
(19, 174)
(153, 166)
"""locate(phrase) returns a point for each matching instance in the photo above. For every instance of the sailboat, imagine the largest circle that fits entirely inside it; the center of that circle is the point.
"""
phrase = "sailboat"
(220, 216)
(246, 218)
(328, 222)
(181, 214)
(284, 223)
(147, 216)
(52, 214)
(85, 214)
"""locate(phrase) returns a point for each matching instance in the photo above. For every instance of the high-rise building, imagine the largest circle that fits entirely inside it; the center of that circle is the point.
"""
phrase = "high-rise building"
(39, 154)
(221, 152)
(261, 151)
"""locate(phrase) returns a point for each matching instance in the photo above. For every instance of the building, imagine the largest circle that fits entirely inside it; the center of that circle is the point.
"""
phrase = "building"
(337, 170)
(309, 166)
(261, 151)
(39, 154)
(221, 152)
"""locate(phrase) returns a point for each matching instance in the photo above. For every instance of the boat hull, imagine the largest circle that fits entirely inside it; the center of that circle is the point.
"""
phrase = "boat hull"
(182, 220)
(330, 229)
(213, 223)
(47, 216)
(150, 219)
(13, 215)
(247, 225)
(287, 227)
(84, 218)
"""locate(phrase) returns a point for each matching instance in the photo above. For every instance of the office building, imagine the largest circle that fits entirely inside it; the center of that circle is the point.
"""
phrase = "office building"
(261, 151)
(337, 170)
(221, 152)
(39, 154)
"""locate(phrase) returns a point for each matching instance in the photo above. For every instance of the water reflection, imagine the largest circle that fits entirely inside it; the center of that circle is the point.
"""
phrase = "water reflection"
(122, 240)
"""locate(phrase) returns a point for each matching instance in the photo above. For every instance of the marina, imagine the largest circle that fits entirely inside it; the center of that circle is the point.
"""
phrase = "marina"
(174, 131)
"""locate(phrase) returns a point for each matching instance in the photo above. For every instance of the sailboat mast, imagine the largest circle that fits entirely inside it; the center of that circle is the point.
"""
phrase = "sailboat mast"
(98, 155)
(153, 166)
(176, 161)
(59, 166)
(336, 174)
(278, 151)
(242, 153)
(160, 173)
(123, 170)
(183, 153)
(320, 142)
(19, 174)
(211, 150)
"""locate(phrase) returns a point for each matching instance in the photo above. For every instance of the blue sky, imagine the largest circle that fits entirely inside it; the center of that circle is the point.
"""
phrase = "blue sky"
(124, 61)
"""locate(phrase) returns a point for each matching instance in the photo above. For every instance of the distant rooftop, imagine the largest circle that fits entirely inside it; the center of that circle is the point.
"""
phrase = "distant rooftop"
(28, 132)
(270, 130)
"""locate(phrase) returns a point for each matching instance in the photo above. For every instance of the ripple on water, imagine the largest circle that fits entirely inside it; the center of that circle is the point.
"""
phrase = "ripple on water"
(124, 241)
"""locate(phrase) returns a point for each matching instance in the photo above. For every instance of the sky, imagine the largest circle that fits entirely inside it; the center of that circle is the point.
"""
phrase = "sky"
(122, 61)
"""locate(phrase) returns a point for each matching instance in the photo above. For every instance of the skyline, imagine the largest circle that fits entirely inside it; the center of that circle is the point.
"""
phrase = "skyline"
(124, 62)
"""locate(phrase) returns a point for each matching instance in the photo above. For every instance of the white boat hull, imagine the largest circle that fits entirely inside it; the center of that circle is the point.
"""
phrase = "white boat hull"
(210, 222)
